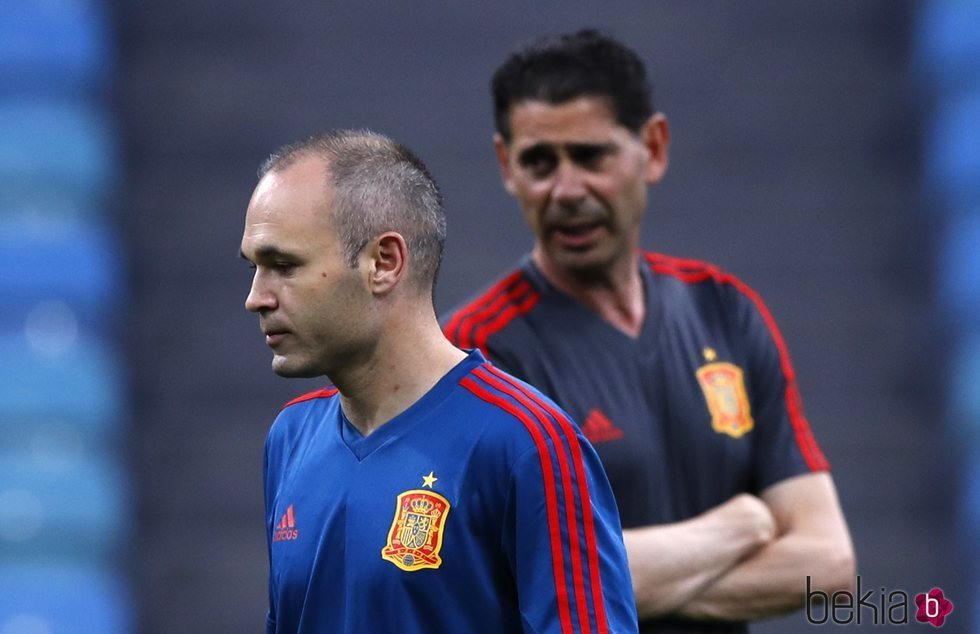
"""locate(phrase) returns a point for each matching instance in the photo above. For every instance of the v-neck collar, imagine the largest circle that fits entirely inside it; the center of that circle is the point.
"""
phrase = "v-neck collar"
(589, 319)
(362, 446)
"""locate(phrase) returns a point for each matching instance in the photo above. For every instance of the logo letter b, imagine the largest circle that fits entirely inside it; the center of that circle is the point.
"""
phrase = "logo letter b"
(932, 612)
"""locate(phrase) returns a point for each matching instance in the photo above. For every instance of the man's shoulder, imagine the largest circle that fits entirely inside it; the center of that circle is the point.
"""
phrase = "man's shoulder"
(494, 310)
(518, 413)
(699, 278)
(322, 393)
(296, 411)
(687, 270)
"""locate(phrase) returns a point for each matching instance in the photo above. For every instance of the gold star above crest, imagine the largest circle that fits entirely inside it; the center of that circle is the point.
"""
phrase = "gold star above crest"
(710, 354)
(429, 480)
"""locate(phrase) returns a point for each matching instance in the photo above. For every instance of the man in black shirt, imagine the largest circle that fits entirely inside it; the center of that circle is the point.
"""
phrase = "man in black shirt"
(674, 368)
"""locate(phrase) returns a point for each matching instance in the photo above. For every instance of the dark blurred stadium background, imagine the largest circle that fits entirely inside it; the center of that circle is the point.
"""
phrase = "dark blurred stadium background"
(826, 152)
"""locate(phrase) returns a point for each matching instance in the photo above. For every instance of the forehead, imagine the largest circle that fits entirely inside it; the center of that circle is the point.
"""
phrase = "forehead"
(290, 204)
(581, 120)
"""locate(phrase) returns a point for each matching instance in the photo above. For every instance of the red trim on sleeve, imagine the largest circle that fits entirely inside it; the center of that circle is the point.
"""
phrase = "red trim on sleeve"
(571, 523)
(550, 495)
(324, 393)
(526, 397)
(478, 305)
(693, 271)
(470, 328)
(472, 325)
(518, 306)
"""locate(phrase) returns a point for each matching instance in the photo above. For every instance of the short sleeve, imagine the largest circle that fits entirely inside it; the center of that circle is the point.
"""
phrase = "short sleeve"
(784, 443)
(564, 542)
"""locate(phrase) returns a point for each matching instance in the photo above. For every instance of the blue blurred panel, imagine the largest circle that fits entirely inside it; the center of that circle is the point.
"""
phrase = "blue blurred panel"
(45, 206)
(50, 260)
(959, 266)
(953, 150)
(56, 148)
(964, 395)
(949, 42)
(71, 511)
(63, 599)
(76, 380)
(55, 444)
(59, 47)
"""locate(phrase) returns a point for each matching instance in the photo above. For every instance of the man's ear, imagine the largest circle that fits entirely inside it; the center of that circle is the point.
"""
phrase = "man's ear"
(655, 135)
(503, 159)
(387, 262)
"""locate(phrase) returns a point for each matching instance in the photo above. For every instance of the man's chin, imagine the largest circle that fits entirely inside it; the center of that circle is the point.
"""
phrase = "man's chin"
(582, 261)
(291, 369)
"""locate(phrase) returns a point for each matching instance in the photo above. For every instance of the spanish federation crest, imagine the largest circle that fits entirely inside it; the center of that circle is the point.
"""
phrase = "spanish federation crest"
(724, 389)
(415, 537)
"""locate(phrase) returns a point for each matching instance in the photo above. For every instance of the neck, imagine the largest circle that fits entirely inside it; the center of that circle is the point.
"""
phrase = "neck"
(408, 360)
(615, 292)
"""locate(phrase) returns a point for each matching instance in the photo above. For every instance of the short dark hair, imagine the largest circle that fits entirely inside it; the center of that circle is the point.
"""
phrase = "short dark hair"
(379, 185)
(558, 69)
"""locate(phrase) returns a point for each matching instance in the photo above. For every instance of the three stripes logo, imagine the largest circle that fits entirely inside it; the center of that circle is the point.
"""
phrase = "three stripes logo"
(598, 428)
(286, 528)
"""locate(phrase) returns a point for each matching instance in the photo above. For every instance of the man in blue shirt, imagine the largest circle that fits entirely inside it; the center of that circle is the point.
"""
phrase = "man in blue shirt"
(675, 368)
(425, 490)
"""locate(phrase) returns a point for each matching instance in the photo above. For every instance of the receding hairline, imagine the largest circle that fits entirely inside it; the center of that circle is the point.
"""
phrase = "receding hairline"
(327, 147)
(377, 184)
(323, 183)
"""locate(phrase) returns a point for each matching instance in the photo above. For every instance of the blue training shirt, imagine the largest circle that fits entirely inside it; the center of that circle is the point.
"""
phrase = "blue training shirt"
(480, 508)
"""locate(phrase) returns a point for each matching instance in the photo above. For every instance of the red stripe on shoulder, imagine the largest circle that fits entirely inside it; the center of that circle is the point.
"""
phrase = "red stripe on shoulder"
(483, 392)
(499, 381)
(814, 457)
(471, 326)
(684, 269)
(558, 427)
(480, 303)
(324, 393)
(567, 430)
(517, 306)
(693, 271)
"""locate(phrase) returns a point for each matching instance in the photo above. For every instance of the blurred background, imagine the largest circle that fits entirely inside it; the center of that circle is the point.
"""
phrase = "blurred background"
(826, 153)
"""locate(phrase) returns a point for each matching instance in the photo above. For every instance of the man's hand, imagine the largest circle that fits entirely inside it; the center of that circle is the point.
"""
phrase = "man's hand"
(812, 540)
(672, 563)
(752, 513)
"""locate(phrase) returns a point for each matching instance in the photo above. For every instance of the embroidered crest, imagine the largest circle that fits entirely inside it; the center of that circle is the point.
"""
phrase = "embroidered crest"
(724, 390)
(415, 537)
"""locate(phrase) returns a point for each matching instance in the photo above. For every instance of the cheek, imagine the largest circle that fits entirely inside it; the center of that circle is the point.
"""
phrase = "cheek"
(530, 192)
(632, 194)
(534, 200)
(531, 216)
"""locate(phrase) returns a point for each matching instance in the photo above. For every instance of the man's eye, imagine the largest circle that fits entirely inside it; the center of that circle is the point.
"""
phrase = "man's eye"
(587, 156)
(538, 162)
(284, 267)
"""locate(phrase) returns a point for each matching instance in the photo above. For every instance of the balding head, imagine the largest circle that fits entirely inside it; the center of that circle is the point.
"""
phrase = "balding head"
(378, 185)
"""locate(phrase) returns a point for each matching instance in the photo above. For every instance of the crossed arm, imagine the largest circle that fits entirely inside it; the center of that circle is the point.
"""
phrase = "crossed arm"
(745, 559)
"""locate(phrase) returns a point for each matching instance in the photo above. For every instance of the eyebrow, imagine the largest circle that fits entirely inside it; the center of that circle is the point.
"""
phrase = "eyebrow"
(600, 146)
(540, 146)
(267, 252)
(572, 146)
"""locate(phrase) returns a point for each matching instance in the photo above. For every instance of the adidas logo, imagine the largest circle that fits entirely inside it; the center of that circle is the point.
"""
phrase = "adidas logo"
(597, 428)
(286, 528)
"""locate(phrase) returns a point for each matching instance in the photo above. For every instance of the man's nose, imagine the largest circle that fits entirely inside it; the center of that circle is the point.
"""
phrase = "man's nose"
(569, 184)
(259, 298)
